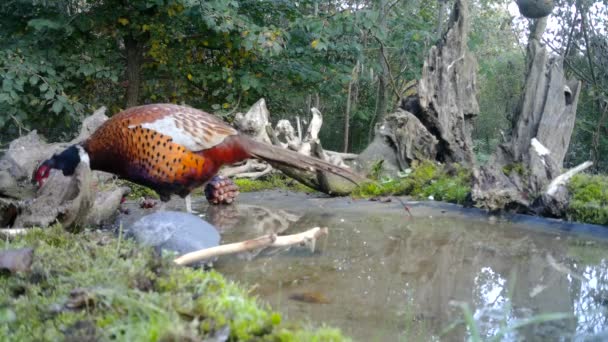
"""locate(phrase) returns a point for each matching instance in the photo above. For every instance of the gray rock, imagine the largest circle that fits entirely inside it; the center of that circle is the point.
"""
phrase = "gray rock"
(175, 231)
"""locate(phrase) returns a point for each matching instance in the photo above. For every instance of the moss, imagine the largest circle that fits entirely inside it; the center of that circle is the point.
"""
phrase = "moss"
(276, 181)
(376, 169)
(450, 183)
(589, 199)
(127, 293)
(138, 191)
(518, 168)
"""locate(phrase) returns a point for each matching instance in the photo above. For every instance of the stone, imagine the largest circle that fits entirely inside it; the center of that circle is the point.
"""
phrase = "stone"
(174, 231)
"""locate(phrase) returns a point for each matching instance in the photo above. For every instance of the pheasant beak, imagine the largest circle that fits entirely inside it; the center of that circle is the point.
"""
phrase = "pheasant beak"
(41, 174)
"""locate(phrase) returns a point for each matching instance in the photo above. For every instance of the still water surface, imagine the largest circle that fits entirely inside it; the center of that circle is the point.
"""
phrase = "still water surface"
(383, 275)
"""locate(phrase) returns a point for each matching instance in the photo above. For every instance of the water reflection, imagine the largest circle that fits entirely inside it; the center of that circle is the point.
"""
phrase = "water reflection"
(590, 310)
(384, 277)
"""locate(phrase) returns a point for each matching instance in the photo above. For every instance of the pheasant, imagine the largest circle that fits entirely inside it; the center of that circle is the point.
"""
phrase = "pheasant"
(173, 149)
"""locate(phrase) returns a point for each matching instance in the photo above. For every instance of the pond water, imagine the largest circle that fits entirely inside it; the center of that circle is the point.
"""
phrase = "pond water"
(383, 274)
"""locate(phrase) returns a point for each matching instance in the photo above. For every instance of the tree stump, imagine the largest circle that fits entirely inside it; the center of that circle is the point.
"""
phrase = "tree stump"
(400, 139)
(444, 104)
(522, 167)
(448, 88)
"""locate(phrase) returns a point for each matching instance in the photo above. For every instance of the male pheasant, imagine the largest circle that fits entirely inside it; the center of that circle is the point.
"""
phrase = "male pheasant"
(172, 149)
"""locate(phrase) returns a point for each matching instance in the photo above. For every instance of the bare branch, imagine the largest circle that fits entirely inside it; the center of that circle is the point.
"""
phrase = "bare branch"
(272, 240)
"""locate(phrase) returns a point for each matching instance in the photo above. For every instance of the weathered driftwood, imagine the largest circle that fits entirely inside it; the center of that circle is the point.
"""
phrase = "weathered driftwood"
(436, 120)
(541, 131)
(308, 238)
(322, 181)
(447, 91)
(252, 167)
(256, 123)
(25, 154)
(554, 201)
(8, 233)
(67, 200)
(253, 123)
(399, 139)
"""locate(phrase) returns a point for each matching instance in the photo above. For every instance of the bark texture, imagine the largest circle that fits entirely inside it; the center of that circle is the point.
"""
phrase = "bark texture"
(448, 88)
(524, 165)
(400, 139)
(436, 120)
(134, 51)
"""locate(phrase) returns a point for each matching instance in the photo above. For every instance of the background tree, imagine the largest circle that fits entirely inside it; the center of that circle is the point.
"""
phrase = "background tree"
(353, 59)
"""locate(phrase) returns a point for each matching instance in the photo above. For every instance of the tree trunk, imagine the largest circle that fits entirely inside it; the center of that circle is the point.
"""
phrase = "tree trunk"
(440, 16)
(448, 88)
(381, 100)
(134, 49)
(522, 167)
(347, 116)
(349, 102)
(438, 121)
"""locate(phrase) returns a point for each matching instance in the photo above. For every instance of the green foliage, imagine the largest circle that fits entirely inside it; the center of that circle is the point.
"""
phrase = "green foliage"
(450, 183)
(376, 169)
(118, 290)
(61, 59)
(589, 199)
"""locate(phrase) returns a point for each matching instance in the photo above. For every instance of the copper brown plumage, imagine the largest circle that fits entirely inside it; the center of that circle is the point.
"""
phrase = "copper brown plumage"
(173, 149)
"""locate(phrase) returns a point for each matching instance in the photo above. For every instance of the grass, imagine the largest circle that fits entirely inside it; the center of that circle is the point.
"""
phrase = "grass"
(450, 183)
(94, 286)
(589, 199)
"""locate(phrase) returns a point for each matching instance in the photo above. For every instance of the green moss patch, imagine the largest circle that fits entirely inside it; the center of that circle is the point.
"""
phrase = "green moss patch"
(93, 286)
(450, 183)
(138, 191)
(589, 199)
(518, 168)
(275, 181)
